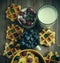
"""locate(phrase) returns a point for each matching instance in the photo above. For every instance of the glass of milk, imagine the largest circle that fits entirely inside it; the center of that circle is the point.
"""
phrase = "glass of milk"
(47, 15)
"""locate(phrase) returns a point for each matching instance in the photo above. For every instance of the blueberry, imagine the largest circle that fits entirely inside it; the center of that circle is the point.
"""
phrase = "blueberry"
(27, 45)
(58, 58)
(37, 37)
(25, 36)
(28, 38)
(35, 43)
(30, 42)
(11, 46)
(15, 34)
(32, 45)
(30, 35)
(33, 35)
(32, 31)
(17, 58)
(23, 39)
(26, 33)
(10, 53)
(23, 43)
(32, 38)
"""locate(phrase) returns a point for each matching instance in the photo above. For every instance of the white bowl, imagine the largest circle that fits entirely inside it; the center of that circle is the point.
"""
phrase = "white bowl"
(26, 26)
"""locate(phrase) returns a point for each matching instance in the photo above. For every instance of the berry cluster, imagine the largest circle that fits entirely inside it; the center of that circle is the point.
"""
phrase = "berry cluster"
(27, 17)
(29, 39)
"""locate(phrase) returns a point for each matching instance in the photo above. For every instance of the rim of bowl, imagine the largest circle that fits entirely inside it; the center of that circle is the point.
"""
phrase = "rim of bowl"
(31, 50)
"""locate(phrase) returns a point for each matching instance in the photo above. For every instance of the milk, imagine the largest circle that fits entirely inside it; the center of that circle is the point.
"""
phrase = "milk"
(47, 14)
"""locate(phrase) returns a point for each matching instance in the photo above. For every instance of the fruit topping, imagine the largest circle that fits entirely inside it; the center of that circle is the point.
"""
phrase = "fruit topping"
(17, 58)
(11, 46)
(29, 60)
(9, 53)
(29, 39)
(27, 17)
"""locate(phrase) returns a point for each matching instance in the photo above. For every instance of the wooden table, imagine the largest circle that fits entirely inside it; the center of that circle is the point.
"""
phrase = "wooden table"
(35, 4)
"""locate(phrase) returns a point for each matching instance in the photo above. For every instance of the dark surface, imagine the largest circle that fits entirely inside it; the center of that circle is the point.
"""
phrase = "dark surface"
(4, 59)
(35, 4)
